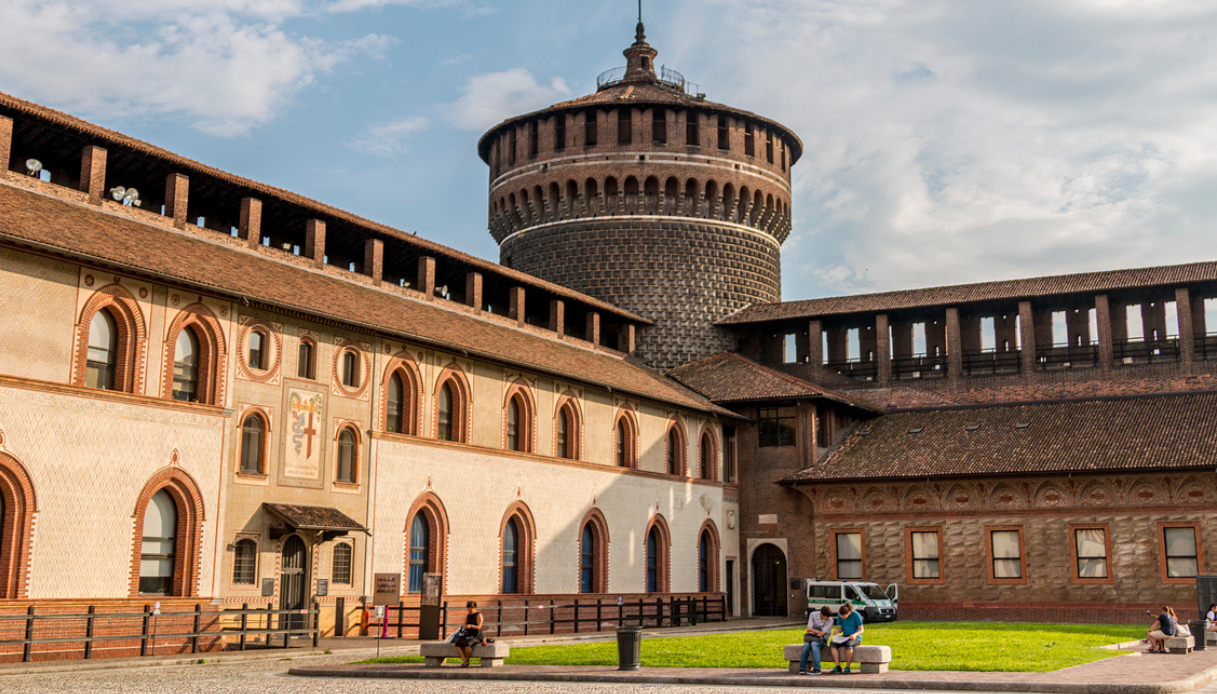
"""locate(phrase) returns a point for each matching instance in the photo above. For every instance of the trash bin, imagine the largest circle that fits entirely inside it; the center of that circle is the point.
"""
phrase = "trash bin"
(1196, 626)
(629, 648)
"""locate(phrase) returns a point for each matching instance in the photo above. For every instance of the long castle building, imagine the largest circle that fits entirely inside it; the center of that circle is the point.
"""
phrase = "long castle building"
(214, 392)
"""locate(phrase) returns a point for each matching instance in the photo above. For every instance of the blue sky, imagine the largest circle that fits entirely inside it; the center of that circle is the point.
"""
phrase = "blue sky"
(946, 140)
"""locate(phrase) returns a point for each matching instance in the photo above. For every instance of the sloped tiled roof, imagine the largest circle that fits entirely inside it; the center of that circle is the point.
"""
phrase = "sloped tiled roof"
(194, 259)
(313, 517)
(730, 378)
(1161, 432)
(1007, 290)
(12, 104)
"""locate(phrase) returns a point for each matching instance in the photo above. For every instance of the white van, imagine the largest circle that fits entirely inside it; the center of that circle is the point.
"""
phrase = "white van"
(871, 601)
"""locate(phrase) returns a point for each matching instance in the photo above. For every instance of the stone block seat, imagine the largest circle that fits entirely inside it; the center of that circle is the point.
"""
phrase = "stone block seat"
(1181, 645)
(1210, 636)
(867, 659)
(491, 655)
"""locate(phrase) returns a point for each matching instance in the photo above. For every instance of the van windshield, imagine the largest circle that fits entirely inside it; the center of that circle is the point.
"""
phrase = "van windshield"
(870, 590)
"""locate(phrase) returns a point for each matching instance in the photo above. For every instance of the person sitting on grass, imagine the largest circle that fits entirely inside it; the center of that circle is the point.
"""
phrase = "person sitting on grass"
(1164, 627)
(819, 624)
(846, 635)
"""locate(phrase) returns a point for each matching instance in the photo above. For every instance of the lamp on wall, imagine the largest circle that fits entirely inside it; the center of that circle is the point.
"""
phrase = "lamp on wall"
(129, 197)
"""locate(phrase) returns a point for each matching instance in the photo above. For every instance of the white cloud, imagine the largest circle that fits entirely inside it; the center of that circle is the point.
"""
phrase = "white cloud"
(489, 98)
(226, 67)
(389, 138)
(953, 141)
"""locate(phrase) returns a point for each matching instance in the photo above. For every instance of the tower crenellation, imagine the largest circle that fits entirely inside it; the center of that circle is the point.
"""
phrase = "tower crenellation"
(647, 195)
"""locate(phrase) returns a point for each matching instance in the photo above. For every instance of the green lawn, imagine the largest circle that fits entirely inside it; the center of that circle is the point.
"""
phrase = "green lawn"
(965, 646)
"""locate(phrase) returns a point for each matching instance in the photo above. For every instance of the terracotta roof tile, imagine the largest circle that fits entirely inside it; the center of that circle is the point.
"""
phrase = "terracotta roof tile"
(1007, 290)
(11, 104)
(1160, 432)
(86, 232)
(731, 378)
(313, 517)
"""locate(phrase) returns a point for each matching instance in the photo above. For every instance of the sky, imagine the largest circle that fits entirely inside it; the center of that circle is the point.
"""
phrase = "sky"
(946, 141)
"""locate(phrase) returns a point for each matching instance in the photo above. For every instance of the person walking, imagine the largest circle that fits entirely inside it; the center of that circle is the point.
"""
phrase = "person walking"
(472, 635)
(847, 633)
(819, 624)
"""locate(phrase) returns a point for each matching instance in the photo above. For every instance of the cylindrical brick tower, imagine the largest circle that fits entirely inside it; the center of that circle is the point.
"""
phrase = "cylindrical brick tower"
(648, 196)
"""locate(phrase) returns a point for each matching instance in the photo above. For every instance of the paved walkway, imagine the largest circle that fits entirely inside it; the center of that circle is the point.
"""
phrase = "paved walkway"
(1135, 673)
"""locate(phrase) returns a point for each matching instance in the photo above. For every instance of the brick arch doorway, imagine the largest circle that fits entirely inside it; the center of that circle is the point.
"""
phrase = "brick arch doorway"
(768, 581)
(293, 582)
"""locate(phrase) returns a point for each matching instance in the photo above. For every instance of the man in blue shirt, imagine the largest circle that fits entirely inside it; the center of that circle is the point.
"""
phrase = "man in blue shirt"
(846, 635)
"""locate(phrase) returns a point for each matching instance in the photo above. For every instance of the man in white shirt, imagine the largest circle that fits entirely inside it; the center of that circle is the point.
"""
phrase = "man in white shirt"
(819, 624)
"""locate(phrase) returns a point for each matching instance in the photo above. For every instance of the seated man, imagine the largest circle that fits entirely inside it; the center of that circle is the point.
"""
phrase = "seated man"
(847, 633)
(819, 624)
(1210, 619)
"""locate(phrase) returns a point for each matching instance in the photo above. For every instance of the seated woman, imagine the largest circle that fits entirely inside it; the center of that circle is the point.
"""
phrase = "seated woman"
(472, 635)
(1164, 627)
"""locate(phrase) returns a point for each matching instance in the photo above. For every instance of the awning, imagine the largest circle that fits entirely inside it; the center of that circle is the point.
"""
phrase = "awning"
(329, 521)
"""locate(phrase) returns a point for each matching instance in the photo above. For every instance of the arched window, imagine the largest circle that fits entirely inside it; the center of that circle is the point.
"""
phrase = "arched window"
(445, 426)
(158, 548)
(340, 565)
(420, 552)
(245, 562)
(17, 506)
(587, 560)
(703, 564)
(514, 440)
(186, 366)
(676, 452)
(562, 444)
(395, 420)
(709, 456)
(625, 442)
(257, 350)
(253, 436)
(653, 561)
(102, 364)
(347, 450)
(511, 545)
(305, 360)
(350, 369)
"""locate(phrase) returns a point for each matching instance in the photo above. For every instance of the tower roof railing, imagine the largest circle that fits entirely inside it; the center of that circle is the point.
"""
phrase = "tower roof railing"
(667, 77)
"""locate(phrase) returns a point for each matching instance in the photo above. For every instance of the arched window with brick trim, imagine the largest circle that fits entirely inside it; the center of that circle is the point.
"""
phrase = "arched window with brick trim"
(568, 429)
(708, 455)
(677, 451)
(167, 545)
(452, 406)
(426, 535)
(517, 545)
(254, 429)
(17, 507)
(593, 553)
(402, 393)
(625, 440)
(657, 548)
(518, 419)
(111, 342)
(346, 458)
(195, 355)
(708, 547)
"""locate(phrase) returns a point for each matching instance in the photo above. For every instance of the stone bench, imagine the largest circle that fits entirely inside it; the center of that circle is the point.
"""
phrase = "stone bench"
(1180, 644)
(868, 659)
(491, 655)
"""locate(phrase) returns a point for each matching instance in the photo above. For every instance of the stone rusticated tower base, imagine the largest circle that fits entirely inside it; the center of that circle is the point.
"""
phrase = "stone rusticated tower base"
(682, 274)
(648, 196)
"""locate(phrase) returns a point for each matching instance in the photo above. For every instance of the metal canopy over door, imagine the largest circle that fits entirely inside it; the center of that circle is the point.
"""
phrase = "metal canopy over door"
(768, 582)
(292, 577)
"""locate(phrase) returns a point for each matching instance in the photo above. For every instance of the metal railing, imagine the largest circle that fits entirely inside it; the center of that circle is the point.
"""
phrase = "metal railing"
(991, 361)
(1206, 347)
(858, 370)
(667, 77)
(1145, 351)
(554, 616)
(212, 626)
(919, 366)
(1067, 356)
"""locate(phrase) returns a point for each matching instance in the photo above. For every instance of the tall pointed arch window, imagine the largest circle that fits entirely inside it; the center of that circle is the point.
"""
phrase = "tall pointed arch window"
(703, 564)
(587, 560)
(102, 365)
(568, 430)
(676, 452)
(158, 547)
(514, 439)
(709, 457)
(444, 429)
(186, 360)
(253, 445)
(347, 456)
(395, 419)
(653, 546)
(625, 442)
(420, 551)
(511, 547)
